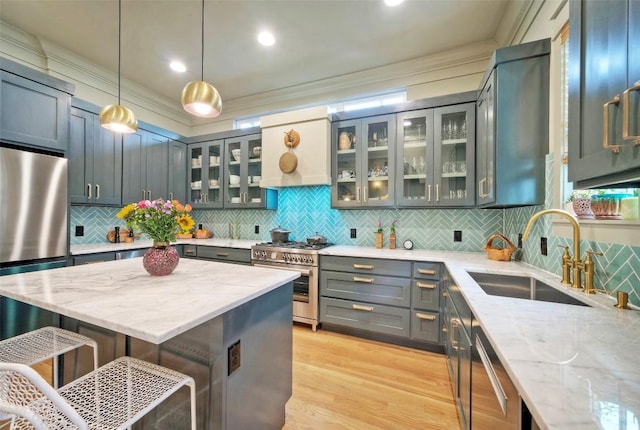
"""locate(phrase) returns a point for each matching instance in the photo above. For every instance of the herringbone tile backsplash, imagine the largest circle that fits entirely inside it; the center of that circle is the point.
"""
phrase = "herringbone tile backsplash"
(307, 211)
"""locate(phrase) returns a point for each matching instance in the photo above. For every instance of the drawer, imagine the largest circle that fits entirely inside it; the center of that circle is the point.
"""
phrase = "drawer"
(425, 294)
(374, 266)
(384, 290)
(219, 253)
(93, 258)
(427, 270)
(189, 251)
(365, 316)
(425, 326)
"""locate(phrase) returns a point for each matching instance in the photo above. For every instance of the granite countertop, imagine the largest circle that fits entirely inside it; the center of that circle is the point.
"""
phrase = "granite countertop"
(576, 367)
(121, 296)
(141, 244)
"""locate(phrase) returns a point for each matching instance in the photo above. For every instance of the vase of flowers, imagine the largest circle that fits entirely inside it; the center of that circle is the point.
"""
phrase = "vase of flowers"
(159, 220)
(392, 234)
(379, 234)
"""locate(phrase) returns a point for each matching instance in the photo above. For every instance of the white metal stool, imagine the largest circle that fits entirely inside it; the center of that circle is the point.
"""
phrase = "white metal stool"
(44, 343)
(114, 396)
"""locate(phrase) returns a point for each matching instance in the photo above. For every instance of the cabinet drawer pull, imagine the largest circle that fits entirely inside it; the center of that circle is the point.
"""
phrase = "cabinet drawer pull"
(362, 308)
(359, 279)
(426, 316)
(427, 271)
(190, 251)
(626, 113)
(445, 294)
(605, 127)
(363, 266)
(222, 254)
(427, 286)
(444, 329)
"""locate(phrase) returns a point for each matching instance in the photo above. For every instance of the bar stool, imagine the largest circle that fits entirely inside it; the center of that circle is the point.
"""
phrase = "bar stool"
(114, 396)
(44, 343)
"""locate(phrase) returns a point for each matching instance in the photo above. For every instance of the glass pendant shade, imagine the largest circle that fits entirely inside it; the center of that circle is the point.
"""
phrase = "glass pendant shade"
(200, 98)
(118, 119)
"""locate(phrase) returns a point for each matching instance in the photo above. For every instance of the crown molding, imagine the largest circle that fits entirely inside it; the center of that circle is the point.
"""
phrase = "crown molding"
(517, 20)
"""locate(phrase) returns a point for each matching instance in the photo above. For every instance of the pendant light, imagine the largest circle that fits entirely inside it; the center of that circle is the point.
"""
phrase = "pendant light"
(117, 118)
(200, 98)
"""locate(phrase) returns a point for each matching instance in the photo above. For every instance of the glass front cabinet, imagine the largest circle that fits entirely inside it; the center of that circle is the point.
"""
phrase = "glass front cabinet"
(363, 158)
(436, 157)
(206, 174)
(243, 157)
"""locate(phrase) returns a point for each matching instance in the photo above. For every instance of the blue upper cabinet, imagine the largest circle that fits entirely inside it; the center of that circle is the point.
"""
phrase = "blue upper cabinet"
(604, 93)
(35, 108)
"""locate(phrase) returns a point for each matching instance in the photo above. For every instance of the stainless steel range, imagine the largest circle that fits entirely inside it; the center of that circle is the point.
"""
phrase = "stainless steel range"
(300, 257)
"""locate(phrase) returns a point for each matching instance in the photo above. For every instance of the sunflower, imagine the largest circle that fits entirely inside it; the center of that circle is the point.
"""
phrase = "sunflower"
(186, 223)
(126, 211)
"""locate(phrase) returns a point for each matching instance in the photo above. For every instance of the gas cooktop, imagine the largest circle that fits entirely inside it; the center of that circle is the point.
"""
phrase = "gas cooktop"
(293, 245)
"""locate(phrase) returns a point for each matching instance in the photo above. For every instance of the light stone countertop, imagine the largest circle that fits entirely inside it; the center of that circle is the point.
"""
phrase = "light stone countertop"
(576, 367)
(121, 296)
(141, 244)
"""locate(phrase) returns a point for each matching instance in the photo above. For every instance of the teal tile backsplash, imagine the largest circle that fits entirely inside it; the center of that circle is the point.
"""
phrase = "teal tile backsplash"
(307, 211)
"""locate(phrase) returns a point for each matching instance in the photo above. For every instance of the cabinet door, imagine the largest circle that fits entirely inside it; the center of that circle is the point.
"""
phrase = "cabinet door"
(454, 155)
(602, 67)
(156, 149)
(80, 155)
(378, 156)
(177, 171)
(33, 113)
(485, 142)
(414, 159)
(346, 164)
(254, 196)
(133, 173)
(107, 166)
(236, 154)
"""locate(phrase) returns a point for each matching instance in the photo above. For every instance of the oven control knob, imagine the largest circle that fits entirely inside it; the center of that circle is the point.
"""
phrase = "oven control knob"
(304, 258)
(264, 253)
(273, 255)
(310, 260)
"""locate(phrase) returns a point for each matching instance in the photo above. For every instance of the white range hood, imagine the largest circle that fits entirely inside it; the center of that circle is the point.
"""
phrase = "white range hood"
(313, 151)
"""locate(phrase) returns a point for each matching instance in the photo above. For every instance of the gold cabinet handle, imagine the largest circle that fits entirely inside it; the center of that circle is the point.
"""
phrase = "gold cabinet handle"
(362, 308)
(626, 114)
(427, 271)
(88, 191)
(429, 192)
(357, 194)
(481, 183)
(359, 279)
(426, 316)
(363, 266)
(427, 286)
(364, 194)
(605, 127)
(444, 329)
(437, 192)
(445, 294)
(222, 254)
(97, 191)
(190, 251)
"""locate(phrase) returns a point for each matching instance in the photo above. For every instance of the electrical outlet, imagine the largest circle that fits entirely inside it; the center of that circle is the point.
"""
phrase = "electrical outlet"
(353, 233)
(234, 357)
(256, 229)
(520, 240)
(543, 245)
(79, 230)
(457, 235)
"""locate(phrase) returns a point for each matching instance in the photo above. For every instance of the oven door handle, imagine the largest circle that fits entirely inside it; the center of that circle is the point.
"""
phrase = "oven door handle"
(301, 271)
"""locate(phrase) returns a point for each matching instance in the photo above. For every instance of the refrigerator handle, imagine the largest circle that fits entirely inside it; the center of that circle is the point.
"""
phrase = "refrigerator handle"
(88, 191)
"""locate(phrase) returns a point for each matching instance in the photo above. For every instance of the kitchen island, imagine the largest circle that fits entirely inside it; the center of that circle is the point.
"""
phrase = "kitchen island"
(228, 326)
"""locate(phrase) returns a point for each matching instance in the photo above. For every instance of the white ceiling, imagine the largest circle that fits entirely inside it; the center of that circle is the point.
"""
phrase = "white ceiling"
(316, 39)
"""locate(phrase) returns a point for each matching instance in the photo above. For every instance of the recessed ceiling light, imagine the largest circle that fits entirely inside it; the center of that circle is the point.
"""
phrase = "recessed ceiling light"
(178, 66)
(266, 38)
(392, 2)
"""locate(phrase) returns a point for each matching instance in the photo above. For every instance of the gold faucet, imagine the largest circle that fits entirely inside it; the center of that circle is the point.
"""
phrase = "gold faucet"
(576, 263)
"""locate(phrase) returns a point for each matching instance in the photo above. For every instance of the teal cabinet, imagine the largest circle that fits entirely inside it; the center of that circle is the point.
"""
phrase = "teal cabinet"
(95, 161)
(512, 137)
(145, 163)
(243, 172)
(604, 93)
(206, 161)
(35, 108)
(177, 171)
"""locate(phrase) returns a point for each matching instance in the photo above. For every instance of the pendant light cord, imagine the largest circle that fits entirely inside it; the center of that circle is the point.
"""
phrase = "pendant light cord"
(202, 46)
(119, 43)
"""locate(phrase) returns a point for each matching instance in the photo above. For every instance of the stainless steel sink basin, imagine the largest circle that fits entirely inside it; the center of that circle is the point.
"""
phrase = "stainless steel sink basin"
(521, 287)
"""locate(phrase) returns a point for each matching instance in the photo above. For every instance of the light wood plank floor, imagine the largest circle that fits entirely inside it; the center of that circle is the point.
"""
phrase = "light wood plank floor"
(345, 382)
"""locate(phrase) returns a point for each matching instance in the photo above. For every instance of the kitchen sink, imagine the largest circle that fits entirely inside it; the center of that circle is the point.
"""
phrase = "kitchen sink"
(521, 287)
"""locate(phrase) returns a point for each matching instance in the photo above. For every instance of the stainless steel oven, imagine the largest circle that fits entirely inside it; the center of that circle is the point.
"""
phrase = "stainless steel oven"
(302, 258)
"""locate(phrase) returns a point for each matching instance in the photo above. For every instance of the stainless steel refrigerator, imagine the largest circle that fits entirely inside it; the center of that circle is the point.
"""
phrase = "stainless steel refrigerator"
(33, 211)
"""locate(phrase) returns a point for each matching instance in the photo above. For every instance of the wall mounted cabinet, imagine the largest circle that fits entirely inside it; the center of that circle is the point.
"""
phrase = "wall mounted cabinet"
(95, 161)
(177, 171)
(512, 137)
(363, 154)
(35, 107)
(145, 163)
(604, 93)
(206, 161)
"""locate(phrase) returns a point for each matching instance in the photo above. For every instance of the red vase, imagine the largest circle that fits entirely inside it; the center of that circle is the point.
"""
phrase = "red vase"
(161, 260)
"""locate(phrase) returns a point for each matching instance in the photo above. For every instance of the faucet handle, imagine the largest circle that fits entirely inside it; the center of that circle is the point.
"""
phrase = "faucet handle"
(589, 271)
(591, 252)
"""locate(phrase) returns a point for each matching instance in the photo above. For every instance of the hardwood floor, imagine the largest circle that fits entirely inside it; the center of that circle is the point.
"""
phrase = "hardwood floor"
(345, 382)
